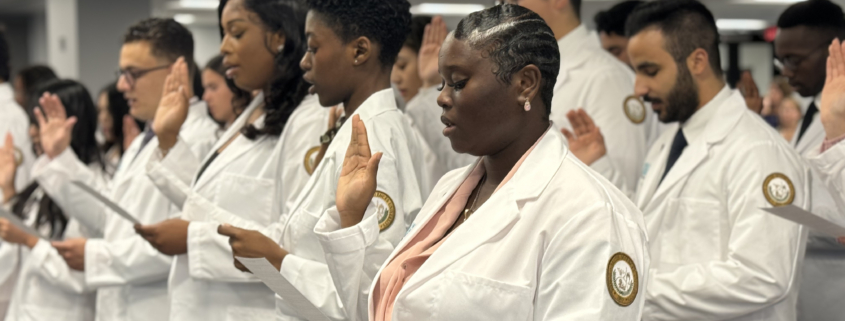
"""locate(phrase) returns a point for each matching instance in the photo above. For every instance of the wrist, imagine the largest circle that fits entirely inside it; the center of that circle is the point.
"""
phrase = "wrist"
(278, 258)
(8, 193)
(350, 218)
(31, 241)
(166, 142)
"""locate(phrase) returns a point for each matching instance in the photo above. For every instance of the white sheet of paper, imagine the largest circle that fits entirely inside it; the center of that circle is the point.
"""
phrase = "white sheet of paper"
(268, 274)
(16, 221)
(796, 214)
(114, 207)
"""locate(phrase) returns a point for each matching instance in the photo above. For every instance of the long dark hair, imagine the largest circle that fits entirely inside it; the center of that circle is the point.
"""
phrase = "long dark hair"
(118, 108)
(287, 89)
(240, 97)
(78, 103)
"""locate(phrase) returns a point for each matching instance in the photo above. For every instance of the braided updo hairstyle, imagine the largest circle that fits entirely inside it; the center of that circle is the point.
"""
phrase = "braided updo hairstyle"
(287, 89)
(514, 37)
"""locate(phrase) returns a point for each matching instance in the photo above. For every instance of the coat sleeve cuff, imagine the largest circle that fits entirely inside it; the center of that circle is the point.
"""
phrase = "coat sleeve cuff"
(39, 253)
(339, 240)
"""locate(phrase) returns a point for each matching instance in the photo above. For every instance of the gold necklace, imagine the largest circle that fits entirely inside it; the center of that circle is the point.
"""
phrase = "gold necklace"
(469, 211)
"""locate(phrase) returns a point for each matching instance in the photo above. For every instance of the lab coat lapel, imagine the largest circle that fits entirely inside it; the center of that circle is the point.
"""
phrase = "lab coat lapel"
(238, 147)
(499, 212)
(656, 166)
(812, 137)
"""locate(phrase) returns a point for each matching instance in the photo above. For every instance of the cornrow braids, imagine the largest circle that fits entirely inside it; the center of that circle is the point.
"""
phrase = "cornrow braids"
(514, 37)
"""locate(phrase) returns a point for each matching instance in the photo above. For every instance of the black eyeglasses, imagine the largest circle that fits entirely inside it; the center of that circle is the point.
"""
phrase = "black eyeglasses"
(133, 75)
(792, 62)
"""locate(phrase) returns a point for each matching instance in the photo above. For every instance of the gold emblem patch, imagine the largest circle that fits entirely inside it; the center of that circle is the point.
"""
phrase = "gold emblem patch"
(622, 279)
(385, 209)
(634, 109)
(310, 161)
(778, 190)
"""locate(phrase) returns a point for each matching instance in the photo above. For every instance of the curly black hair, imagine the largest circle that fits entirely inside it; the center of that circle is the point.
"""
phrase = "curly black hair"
(287, 89)
(514, 37)
(386, 22)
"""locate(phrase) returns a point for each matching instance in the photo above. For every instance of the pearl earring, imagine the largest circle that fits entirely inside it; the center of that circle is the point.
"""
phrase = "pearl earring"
(527, 105)
(356, 61)
(280, 48)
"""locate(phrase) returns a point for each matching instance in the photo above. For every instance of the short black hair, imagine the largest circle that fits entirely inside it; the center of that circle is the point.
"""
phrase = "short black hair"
(612, 21)
(5, 68)
(385, 22)
(686, 24)
(168, 39)
(415, 36)
(33, 76)
(819, 14)
(514, 37)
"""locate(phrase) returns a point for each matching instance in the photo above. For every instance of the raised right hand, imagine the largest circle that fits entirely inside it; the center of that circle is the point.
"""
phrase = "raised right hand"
(8, 168)
(832, 109)
(357, 183)
(429, 54)
(587, 142)
(173, 107)
(54, 125)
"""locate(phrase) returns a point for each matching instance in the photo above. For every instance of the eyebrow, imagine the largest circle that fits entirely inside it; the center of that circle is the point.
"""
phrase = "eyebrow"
(646, 65)
(235, 20)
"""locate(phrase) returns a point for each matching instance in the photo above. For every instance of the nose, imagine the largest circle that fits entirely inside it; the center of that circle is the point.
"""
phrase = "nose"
(444, 100)
(123, 84)
(640, 89)
(305, 63)
(395, 76)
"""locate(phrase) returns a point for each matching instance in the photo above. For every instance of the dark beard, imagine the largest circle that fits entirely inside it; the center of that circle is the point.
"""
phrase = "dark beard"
(683, 100)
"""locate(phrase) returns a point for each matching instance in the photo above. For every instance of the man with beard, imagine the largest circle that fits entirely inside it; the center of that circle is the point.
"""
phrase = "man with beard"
(806, 31)
(716, 255)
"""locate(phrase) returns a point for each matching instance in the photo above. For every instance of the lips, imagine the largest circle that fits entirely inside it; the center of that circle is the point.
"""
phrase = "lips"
(450, 126)
(231, 71)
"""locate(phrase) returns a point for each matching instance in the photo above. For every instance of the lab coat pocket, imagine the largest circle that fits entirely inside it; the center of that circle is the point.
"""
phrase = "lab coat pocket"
(252, 198)
(468, 297)
(249, 314)
(694, 232)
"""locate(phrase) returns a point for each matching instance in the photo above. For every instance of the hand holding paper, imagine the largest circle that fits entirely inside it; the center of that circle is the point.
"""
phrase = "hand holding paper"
(16, 222)
(12, 234)
(268, 274)
(796, 214)
(252, 244)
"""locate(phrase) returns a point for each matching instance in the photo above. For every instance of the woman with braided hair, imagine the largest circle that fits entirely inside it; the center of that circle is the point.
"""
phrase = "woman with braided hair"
(527, 232)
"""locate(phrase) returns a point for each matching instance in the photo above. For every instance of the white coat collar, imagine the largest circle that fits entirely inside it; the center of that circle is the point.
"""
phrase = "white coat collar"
(379, 102)
(495, 215)
(723, 121)
(233, 150)
(6, 93)
(694, 126)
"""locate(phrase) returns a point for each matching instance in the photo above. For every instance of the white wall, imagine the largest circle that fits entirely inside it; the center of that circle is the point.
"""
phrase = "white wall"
(37, 39)
(62, 38)
(206, 42)
(757, 57)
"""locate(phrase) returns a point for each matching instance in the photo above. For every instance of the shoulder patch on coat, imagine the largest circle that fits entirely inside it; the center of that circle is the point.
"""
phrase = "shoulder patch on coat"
(622, 279)
(778, 190)
(634, 109)
(310, 161)
(385, 209)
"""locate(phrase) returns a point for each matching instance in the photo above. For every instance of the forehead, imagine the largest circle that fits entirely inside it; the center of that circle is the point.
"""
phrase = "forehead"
(801, 38)
(457, 54)
(138, 54)
(648, 45)
(316, 28)
(234, 9)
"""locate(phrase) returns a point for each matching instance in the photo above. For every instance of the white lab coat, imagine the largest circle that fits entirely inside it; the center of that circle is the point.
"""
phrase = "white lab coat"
(716, 255)
(13, 119)
(592, 79)
(830, 165)
(538, 249)
(403, 176)
(823, 279)
(128, 273)
(251, 180)
(425, 117)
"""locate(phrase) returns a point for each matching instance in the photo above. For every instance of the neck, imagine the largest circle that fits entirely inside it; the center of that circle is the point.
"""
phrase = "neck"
(499, 164)
(708, 90)
(366, 88)
(564, 25)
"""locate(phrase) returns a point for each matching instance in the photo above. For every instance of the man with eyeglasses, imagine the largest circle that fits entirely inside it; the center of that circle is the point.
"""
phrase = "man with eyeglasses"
(592, 79)
(806, 31)
(129, 275)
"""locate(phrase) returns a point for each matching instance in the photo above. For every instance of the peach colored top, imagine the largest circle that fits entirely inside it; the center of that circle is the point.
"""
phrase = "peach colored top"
(394, 276)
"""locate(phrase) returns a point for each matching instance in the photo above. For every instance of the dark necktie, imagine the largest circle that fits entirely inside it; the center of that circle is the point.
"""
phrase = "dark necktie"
(148, 136)
(678, 145)
(808, 119)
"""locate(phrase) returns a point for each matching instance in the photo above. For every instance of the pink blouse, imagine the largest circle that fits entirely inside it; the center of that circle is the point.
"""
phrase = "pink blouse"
(400, 269)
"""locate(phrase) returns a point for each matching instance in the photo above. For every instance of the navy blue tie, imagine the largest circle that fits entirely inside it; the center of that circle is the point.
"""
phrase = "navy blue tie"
(808, 119)
(148, 136)
(678, 145)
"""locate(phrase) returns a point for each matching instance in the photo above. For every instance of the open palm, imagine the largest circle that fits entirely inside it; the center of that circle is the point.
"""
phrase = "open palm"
(586, 142)
(357, 183)
(54, 126)
(173, 107)
(832, 109)
(8, 163)
(428, 57)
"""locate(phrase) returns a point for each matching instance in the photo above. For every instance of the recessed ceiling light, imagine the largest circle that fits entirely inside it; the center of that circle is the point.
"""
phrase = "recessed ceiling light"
(741, 24)
(446, 9)
(193, 4)
(185, 18)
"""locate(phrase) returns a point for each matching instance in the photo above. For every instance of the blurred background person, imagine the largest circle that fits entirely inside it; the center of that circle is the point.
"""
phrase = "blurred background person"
(117, 127)
(28, 80)
(610, 24)
(225, 100)
(778, 89)
(789, 116)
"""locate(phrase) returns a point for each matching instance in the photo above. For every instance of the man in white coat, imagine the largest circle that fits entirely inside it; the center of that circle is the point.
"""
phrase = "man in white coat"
(716, 255)
(129, 274)
(592, 79)
(806, 31)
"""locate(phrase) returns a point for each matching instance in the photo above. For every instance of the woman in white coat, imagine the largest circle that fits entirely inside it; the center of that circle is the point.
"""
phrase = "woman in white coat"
(253, 170)
(528, 232)
(47, 289)
(359, 40)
